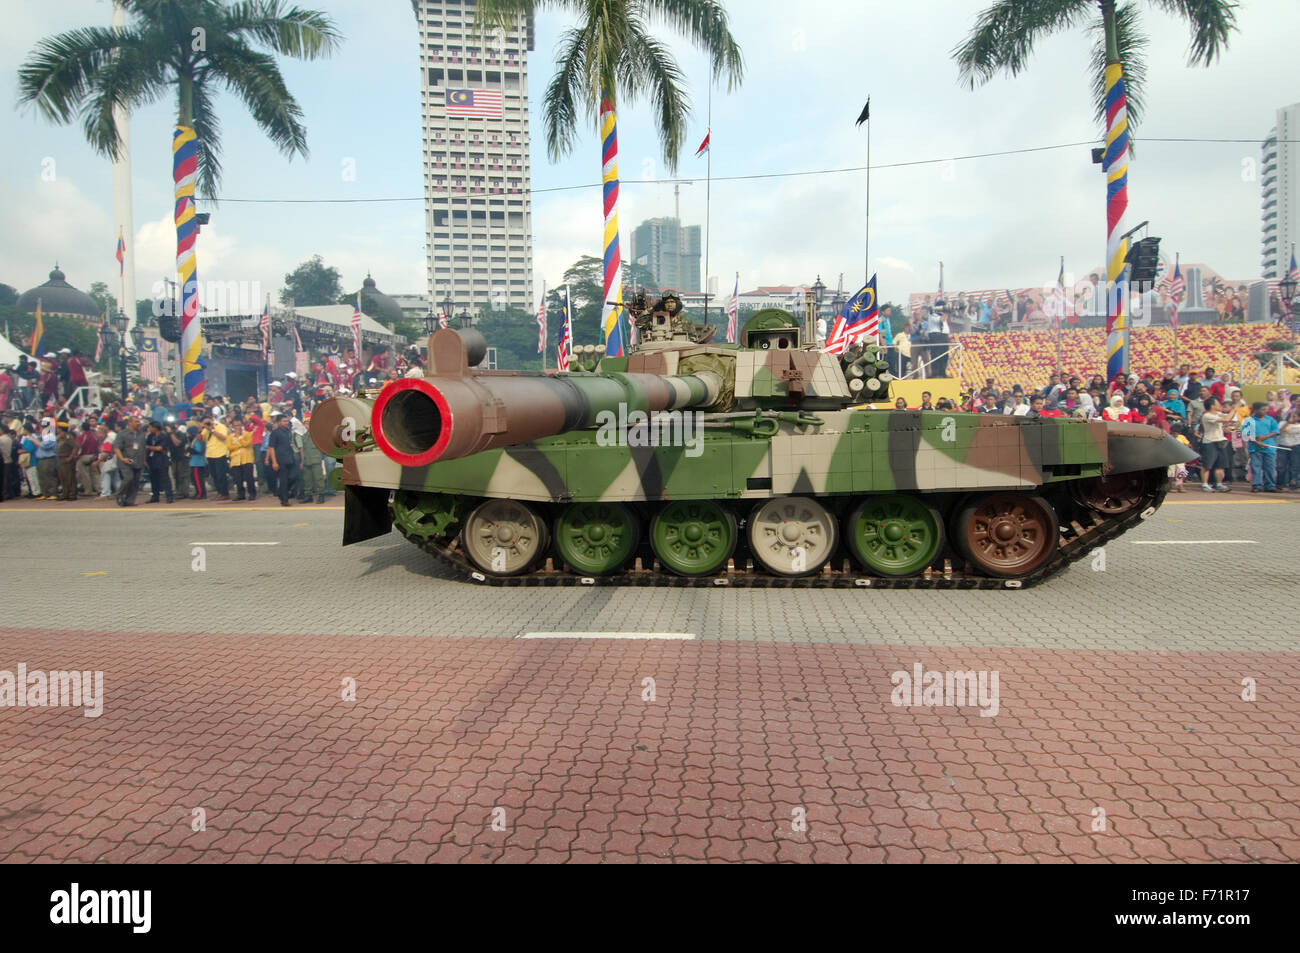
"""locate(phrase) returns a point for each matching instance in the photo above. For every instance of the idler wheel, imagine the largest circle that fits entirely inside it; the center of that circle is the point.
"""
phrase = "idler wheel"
(1007, 535)
(596, 538)
(894, 535)
(693, 537)
(1114, 494)
(504, 537)
(792, 535)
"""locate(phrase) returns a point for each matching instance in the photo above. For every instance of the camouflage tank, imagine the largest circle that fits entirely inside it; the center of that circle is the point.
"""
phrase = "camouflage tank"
(752, 464)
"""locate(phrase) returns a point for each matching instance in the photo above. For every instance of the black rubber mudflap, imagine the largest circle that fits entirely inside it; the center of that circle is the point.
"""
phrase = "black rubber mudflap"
(365, 513)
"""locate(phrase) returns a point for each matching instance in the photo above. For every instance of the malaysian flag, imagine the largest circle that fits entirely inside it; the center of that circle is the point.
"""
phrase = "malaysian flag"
(356, 330)
(442, 320)
(474, 104)
(149, 359)
(265, 325)
(541, 322)
(1177, 288)
(566, 335)
(733, 310)
(99, 337)
(859, 319)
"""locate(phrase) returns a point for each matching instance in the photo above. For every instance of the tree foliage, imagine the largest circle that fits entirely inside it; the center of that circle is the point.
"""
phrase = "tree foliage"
(312, 283)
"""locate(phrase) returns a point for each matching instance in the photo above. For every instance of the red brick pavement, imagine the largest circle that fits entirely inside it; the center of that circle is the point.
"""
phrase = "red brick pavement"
(253, 730)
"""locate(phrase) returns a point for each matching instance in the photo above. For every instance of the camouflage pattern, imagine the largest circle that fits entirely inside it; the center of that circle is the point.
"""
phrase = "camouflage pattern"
(683, 419)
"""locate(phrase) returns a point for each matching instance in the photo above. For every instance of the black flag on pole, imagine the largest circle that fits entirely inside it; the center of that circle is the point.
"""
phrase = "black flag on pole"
(866, 113)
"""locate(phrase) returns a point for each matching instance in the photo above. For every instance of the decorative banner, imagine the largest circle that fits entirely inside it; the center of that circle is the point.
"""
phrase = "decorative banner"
(611, 312)
(184, 170)
(301, 364)
(1115, 165)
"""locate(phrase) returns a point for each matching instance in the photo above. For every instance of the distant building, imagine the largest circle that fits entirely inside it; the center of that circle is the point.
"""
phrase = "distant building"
(58, 297)
(669, 251)
(1279, 183)
(477, 182)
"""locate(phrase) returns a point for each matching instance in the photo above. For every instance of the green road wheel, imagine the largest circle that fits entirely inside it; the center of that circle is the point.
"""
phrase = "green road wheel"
(894, 535)
(693, 537)
(596, 538)
(504, 537)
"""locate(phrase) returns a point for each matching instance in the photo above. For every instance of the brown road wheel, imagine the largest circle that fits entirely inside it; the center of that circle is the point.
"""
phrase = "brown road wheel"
(1114, 494)
(1007, 535)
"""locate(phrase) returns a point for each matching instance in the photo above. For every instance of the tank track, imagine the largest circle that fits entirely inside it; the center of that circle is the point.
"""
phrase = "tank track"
(1077, 542)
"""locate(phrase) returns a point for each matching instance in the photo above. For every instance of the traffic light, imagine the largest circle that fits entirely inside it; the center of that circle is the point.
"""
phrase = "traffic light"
(1143, 259)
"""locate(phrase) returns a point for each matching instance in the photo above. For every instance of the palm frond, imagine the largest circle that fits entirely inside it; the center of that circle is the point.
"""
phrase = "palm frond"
(302, 34)
(1004, 35)
(207, 133)
(59, 74)
(649, 68)
(500, 14)
(134, 77)
(567, 93)
(1211, 22)
(1131, 43)
(256, 79)
(704, 22)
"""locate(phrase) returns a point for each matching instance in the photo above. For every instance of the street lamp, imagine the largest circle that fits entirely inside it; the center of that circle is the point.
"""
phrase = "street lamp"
(121, 322)
(466, 319)
(448, 305)
(818, 289)
(430, 321)
(1288, 288)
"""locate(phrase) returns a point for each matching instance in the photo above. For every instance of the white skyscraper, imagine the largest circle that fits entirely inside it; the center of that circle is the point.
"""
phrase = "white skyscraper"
(1279, 181)
(477, 201)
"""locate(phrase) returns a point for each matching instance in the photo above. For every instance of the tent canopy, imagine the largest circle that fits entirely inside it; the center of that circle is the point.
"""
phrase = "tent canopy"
(9, 354)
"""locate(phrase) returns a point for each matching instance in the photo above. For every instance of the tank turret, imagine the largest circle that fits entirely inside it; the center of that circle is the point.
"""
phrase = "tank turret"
(694, 461)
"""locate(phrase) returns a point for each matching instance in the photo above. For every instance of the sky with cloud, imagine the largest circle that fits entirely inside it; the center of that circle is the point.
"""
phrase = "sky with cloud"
(994, 222)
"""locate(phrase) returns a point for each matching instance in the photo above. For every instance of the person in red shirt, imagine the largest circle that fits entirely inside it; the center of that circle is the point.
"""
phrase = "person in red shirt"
(77, 366)
(49, 385)
(88, 444)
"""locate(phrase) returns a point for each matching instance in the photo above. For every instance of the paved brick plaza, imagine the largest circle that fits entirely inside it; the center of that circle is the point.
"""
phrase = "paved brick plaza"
(780, 710)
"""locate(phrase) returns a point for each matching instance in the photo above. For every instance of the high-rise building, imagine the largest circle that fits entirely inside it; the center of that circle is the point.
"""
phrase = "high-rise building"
(655, 245)
(1279, 181)
(477, 182)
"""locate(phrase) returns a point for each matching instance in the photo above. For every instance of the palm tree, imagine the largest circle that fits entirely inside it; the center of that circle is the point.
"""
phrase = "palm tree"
(190, 48)
(1003, 40)
(1005, 33)
(614, 51)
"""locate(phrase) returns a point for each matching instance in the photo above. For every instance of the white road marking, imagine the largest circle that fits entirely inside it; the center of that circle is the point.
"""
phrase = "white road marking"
(234, 544)
(681, 636)
(1195, 542)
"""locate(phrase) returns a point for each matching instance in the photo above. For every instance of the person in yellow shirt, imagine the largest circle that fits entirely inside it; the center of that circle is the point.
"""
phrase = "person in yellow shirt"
(240, 444)
(218, 456)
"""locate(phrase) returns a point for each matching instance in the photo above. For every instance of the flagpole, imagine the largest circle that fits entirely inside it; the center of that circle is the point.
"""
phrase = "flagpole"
(545, 321)
(708, 188)
(1060, 316)
(866, 241)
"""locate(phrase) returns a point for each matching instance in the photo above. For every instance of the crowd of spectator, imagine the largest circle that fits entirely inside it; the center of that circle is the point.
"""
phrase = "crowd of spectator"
(1236, 442)
(54, 449)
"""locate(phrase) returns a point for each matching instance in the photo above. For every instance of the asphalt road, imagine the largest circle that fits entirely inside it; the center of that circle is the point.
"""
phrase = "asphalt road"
(1207, 575)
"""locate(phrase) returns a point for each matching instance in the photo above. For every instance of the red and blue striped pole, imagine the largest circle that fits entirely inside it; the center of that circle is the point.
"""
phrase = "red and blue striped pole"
(184, 172)
(613, 263)
(1115, 165)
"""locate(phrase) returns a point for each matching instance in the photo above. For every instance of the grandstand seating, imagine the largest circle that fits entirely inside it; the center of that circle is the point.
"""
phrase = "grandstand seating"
(1029, 357)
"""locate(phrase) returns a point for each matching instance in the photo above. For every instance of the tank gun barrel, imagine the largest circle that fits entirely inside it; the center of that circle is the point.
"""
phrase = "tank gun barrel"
(417, 421)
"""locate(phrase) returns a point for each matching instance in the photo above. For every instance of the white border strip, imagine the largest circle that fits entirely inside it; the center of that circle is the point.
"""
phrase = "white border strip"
(1195, 542)
(678, 636)
(234, 544)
